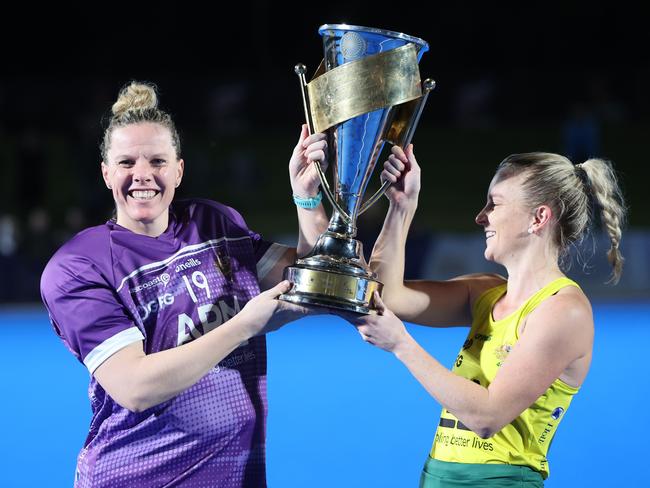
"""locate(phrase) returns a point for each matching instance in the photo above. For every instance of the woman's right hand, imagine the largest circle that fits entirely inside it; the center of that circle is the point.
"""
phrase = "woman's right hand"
(265, 313)
(403, 171)
(302, 171)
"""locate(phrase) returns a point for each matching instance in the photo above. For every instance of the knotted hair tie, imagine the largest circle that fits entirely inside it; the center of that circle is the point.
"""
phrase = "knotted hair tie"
(579, 170)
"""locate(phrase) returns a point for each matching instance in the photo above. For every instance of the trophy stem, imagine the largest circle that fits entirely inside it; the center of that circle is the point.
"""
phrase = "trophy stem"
(341, 225)
(334, 274)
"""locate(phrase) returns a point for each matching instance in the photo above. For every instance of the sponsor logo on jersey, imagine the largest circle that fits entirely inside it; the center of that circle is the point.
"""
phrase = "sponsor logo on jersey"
(223, 264)
(162, 278)
(210, 316)
(459, 360)
(483, 337)
(502, 352)
(145, 310)
(557, 413)
(190, 263)
(235, 360)
(547, 430)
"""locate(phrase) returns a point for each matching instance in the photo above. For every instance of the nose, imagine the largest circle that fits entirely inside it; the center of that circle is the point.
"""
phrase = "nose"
(481, 218)
(142, 171)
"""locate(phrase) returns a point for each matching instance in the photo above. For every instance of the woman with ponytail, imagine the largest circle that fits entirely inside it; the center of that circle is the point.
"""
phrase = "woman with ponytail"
(167, 305)
(530, 341)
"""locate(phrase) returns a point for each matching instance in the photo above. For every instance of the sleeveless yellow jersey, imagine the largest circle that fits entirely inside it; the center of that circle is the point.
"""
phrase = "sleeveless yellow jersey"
(525, 441)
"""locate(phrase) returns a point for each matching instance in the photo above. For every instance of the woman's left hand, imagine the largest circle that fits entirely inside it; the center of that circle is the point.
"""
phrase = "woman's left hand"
(302, 172)
(383, 330)
(403, 172)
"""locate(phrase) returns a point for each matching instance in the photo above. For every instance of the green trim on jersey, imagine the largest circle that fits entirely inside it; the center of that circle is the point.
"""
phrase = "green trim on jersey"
(441, 474)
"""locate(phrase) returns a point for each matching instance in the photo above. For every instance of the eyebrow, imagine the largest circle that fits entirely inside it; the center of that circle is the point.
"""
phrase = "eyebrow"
(153, 156)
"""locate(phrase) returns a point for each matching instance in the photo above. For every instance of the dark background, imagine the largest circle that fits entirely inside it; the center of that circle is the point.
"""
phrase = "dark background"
(566, 77)
(563, 77)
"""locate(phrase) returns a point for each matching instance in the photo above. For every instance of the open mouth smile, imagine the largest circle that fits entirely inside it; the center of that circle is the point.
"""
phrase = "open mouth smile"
(143, 194)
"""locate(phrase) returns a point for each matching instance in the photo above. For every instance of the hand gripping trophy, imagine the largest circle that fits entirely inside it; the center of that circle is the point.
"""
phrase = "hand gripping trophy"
(366, 92)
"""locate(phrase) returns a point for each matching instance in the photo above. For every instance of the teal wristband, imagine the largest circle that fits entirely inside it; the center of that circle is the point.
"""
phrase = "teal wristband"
(312, 202)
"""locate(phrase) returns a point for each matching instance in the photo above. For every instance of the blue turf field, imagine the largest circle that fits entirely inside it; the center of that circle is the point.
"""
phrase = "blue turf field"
(342, 413)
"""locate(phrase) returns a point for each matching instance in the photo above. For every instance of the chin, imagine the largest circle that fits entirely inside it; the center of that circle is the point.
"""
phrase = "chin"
(145, 217)
(489, 256)
(145, 208)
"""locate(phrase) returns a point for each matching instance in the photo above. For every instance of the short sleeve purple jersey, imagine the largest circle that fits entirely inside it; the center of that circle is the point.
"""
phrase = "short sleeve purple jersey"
(109, 287)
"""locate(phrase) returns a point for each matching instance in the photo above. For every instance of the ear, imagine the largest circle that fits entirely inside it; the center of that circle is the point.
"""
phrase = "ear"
(179, 172)
(104, 168)
(541, 218)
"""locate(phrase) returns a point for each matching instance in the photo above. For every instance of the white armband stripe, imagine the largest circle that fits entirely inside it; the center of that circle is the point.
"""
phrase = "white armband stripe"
(110, 346)
(269, 259)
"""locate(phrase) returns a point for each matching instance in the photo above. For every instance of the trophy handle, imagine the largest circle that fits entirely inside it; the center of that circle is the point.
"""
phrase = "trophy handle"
(330, 195)
(427, 86)
(300, 71)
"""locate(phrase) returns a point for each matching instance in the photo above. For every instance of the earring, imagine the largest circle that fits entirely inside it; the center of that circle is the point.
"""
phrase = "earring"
(530, 230)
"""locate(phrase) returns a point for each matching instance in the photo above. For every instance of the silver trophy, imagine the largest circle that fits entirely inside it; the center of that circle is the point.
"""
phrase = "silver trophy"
(366, 91)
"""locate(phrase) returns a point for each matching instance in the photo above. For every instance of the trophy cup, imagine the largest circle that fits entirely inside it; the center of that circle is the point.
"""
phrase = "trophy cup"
(366, 92)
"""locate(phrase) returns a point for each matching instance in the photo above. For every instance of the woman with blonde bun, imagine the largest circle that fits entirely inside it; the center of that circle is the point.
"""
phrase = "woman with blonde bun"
(167, 305)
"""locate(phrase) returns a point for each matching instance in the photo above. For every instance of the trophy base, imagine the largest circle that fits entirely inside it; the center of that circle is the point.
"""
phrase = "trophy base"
(332, 289)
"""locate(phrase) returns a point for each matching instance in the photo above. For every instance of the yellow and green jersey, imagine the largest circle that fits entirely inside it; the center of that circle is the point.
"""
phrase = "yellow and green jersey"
(526, 440)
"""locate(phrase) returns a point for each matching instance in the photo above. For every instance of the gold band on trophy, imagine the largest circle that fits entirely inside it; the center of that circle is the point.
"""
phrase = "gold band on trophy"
(381, 80)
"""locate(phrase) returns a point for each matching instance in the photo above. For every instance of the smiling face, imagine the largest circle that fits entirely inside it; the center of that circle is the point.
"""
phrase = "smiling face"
(505, 218)
(143, 172)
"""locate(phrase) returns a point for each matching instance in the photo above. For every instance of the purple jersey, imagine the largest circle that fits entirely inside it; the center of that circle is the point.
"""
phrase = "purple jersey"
(109, 287)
